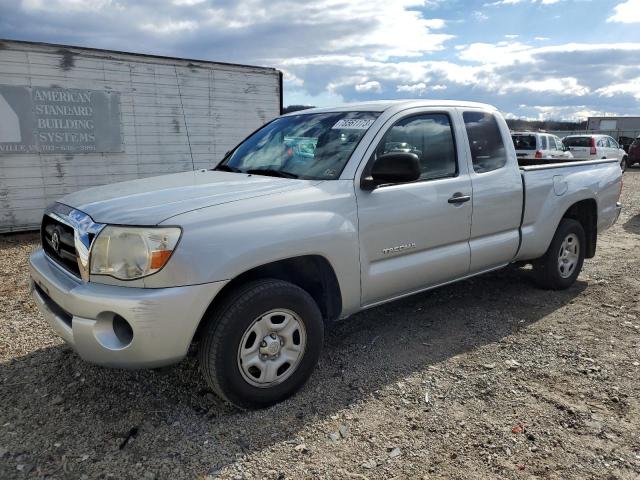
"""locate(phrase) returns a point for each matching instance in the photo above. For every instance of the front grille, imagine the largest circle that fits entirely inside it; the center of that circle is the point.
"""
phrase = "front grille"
(58, 242)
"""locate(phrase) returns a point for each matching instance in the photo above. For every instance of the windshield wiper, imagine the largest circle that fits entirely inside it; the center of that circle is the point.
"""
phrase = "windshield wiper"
(227, 168)
(272, 173)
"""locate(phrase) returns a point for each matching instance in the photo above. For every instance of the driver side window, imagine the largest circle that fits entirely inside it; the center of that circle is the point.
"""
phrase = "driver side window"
(430, 137)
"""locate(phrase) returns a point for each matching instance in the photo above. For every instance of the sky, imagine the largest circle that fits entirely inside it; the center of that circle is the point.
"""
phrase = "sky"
(534, 59)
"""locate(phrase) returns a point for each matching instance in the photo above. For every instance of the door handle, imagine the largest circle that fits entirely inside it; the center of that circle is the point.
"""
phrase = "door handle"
(459, 198)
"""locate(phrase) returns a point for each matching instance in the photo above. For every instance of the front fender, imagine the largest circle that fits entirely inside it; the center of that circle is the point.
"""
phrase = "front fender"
(224, 241)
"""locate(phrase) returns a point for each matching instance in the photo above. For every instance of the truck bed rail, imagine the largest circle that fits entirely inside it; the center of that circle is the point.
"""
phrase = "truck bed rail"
(542, 164)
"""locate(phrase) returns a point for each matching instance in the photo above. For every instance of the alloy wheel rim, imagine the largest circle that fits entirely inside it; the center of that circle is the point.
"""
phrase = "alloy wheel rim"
(271, 348)
(568, 255)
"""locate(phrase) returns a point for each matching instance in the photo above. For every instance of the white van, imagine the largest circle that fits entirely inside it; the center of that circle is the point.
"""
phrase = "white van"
(594, 147)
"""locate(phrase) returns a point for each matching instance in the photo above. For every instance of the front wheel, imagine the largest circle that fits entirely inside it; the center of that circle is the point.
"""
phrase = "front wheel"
(262, 344)
(560, 266)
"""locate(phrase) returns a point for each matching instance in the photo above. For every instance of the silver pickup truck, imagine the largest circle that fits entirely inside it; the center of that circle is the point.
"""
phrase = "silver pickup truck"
(315, 216)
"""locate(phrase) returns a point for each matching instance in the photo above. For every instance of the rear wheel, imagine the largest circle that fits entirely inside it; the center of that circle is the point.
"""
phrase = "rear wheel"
(560, 266)
(262, 344)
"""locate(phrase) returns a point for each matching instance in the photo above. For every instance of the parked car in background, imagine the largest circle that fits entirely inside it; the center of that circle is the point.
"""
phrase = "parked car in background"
(625, 142)
(634, 152)
(595, 147)
(539, 145)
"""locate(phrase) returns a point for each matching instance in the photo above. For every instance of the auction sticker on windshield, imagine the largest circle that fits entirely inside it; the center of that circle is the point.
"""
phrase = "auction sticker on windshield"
(352, 124)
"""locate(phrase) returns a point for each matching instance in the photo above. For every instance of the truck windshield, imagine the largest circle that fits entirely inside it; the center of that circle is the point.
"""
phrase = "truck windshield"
(309, 146)
(524, 142)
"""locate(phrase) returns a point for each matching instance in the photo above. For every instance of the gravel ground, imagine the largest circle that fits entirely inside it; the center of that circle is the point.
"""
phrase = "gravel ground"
(489, 377)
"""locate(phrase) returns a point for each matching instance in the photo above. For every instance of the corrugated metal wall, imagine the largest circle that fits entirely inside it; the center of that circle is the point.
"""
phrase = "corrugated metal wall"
(175, 114)
(622, 123)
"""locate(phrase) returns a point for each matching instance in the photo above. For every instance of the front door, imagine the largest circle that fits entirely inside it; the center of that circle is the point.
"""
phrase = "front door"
(416, 235)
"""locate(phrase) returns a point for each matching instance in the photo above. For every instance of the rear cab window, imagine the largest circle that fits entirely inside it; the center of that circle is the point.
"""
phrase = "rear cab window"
(485, 141)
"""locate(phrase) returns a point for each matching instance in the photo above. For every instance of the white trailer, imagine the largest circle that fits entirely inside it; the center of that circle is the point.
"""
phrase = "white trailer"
(73, 117)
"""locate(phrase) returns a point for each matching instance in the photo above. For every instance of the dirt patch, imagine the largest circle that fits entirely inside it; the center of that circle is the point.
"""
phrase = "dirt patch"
(487, 378)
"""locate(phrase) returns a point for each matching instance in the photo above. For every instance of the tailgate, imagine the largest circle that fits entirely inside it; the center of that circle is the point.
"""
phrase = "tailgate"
(580, 152)
(526, 153)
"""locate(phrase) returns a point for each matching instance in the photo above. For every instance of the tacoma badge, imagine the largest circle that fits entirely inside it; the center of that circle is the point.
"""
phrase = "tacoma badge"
(398, 248)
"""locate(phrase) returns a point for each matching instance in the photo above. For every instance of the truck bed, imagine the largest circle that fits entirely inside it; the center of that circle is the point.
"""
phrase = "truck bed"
(550, 189)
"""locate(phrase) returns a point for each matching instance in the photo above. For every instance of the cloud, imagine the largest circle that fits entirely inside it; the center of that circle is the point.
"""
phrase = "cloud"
(372, 25)
(67, 5)
(626, 12)
(188, 2)
(574, 113)
(568, 86)
(332, 51)
(480, 16)
(169, 27)
(419, 88)
(632, 87)
(516, 2)
(371, 86)
(502, 2)
(569, 78)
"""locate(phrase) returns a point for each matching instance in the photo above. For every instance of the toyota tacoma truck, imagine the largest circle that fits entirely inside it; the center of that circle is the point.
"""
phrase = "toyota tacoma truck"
(315, 216)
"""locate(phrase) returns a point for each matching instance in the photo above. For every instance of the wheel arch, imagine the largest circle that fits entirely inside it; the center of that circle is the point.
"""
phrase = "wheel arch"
(312, 273)
(586, 212)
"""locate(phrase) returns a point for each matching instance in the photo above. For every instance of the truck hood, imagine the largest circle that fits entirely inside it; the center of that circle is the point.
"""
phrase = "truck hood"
(149, 201)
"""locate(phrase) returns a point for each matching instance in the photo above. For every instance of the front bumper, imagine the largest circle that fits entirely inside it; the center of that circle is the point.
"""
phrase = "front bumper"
(162, 321)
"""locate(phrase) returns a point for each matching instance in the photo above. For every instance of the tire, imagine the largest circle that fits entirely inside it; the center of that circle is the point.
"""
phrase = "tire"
(624, 163)
(549, 271)
(285, 314)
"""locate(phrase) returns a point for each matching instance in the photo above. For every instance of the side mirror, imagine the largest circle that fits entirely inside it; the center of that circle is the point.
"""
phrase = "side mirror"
(393, 167)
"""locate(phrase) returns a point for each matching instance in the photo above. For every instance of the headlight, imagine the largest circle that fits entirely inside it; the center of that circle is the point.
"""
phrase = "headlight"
(128, 253)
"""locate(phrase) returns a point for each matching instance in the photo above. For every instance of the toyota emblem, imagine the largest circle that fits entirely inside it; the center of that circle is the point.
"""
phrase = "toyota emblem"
(55, 242)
